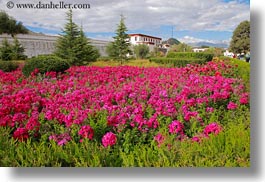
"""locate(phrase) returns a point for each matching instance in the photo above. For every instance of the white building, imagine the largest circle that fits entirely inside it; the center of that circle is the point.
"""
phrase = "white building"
(150, 41)
(199, 49)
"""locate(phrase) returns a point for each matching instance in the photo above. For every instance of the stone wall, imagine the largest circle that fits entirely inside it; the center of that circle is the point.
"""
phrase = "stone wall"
(45, 44)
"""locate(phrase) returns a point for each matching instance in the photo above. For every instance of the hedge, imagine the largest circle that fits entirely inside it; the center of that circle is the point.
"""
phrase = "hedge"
(8, 66)
(177, 62)
(191, 55)
(45, 63)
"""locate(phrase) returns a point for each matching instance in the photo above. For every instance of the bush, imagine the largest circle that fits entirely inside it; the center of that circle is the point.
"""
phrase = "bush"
(177, 62)
(104, 58)
(45, 63)
(8, 66)
(191, 55)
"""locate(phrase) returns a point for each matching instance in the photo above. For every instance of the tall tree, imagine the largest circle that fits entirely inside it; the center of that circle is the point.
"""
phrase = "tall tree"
(121, 42)
(67, 41)
(84, 52)
(240, 42)
(10, 26)
(73, 45)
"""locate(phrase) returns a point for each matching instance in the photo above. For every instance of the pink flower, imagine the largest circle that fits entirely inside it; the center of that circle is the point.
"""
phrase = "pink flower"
(109, 139)
(176, 127)
(231, 105)
(212, 128)
(244, 99)
(86, 132)
(159, 138)
(196, 139)
(21, 134)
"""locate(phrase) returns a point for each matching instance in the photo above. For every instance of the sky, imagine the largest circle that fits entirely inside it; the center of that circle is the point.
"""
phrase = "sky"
(191, 20)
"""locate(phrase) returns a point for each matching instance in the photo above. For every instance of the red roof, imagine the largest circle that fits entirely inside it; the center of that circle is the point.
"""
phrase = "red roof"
(142, 35)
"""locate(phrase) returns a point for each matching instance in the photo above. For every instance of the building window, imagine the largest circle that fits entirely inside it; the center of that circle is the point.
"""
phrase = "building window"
(135, 38)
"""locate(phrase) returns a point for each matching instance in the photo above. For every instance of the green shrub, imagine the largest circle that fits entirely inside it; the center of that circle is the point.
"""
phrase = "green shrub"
(104, 58)
(8, 66)
(177, 62)
(45, 63)
(191, 55)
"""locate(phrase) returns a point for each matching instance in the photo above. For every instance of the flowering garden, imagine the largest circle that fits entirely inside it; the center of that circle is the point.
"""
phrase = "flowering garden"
(198, 115)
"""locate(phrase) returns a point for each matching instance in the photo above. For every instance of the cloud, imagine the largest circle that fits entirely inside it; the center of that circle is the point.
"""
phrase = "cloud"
(193, 40)
(103, 15)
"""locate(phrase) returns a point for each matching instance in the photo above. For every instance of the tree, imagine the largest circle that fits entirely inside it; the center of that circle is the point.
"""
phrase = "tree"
(10, 26)
(141, 51)
(240, 42)
(66, 42)
(182, 47)
(84, 52)
(17, 50)
(73, 44)
(121, 42)
(6, 51)
(111, 51)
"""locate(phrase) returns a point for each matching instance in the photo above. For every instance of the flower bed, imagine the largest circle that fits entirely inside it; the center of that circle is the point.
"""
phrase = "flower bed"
(102, 104)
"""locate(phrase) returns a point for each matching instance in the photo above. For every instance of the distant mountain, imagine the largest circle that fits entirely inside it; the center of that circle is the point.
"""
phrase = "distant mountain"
(199, 44)
(171, 41)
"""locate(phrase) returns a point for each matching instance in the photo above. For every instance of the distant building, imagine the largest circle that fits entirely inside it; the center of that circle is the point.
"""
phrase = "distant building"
(199, 49)
(150, 41)
(229, 54)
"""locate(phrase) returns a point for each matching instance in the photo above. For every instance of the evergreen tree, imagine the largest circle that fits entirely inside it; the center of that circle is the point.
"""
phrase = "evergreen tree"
(241, 38)
(17, 50)
(6, 51)
(73, 44)
(67, 41)
(121, 42)
(84, 52)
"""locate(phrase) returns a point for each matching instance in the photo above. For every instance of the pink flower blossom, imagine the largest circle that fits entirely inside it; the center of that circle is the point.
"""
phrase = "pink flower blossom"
(231, 105)
(176, 127)
(21, 134)
(109, 139)
(159, 138)
(213, 128)
(86, 132)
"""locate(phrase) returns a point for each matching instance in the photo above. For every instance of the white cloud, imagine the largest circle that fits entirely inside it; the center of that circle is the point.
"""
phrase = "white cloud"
(193, 40)
(103, 16)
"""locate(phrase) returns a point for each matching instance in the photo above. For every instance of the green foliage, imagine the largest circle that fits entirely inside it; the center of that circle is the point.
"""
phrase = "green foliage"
(181, 47)
(84, 52)
(10, 26)
(18, 50)
(141, 51)
(8, 66)
(231, 148)
(215, 51)
(242, 69)
(104, 58)
(177, 62)
(191, 55)
(241, 38)
(111, 51)
(45, 63)
(121, 44)
(13, 51)
(73, 44)
(6, 51)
